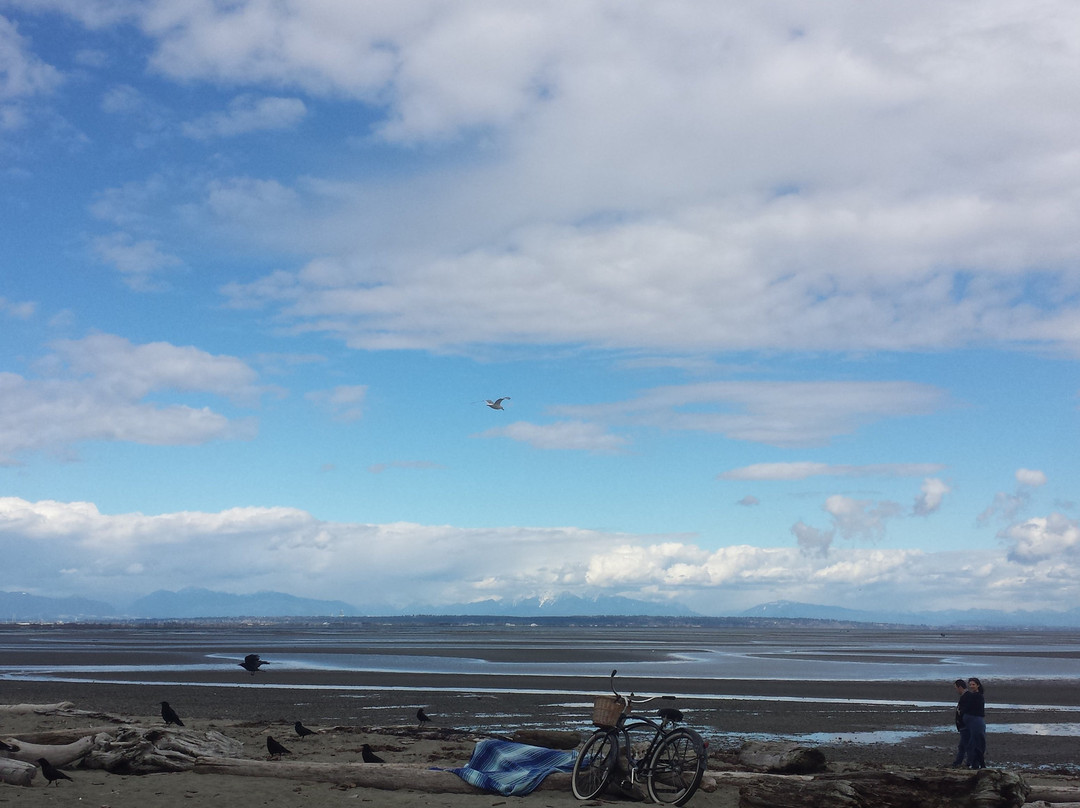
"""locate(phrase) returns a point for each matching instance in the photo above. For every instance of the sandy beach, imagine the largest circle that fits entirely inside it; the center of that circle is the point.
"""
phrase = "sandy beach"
(344, 722)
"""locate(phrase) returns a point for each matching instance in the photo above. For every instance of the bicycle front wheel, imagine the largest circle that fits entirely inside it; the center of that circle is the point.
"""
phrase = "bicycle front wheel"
(595, 764)
(676, 767)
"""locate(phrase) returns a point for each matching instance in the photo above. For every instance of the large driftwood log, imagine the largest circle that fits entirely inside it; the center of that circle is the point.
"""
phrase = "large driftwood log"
(40, 709)
(385, 776)
(1055, 794)
(782, 758)
(63, 736)
(16, 772)
(138, 750)
(57, 755)
(987, 788)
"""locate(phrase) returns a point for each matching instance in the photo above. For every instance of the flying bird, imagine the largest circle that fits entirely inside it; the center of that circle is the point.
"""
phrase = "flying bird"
(497, 403)
(169, 714)
(369, 756)
(274, 748)
(421, 717)
(252, 663)
(302, 731)
(50, 772)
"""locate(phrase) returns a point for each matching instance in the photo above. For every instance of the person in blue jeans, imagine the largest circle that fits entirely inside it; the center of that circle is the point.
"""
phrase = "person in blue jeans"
(974, 716)
(963, 696)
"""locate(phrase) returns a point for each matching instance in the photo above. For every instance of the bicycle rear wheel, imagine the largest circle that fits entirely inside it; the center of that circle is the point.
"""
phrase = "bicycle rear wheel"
(595, 764)
(676, 767)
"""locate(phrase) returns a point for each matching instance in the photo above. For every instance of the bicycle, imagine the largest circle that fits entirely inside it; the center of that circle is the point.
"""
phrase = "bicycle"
(671, 765)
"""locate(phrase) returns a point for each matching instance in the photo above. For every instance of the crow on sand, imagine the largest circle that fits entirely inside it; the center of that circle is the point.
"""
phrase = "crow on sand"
(169, 714)
(50, 772)
(302, 731)
(421, 717)
(369, 756)
(274, 748)
(252, 663)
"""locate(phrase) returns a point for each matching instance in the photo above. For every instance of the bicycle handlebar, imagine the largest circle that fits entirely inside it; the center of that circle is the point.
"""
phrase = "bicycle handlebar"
(632, 698)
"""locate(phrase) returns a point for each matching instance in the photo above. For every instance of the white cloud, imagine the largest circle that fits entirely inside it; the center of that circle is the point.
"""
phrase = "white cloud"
(100, 388)
(20, 311)
(574, 435)
(859, 518)
(346, 402)
(932, 494)
(803, 470)
(749, 501)
(248, 114)
(402, 564)
(776, 413)
(23, 78)
(1053, 537)
(1030, 478)
(140, 263)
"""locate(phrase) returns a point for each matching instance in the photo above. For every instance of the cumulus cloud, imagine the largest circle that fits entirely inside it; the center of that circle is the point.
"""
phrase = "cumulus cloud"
(104, 387)
(932, 493)
(403, 564)
(22, 75)
(574, 435)
(1053, 537)
(247, 114)
(1030, 478)
(1007, 506)
(139, 263)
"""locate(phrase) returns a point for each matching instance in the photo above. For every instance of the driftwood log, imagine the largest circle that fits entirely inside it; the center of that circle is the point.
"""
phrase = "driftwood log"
(56, 754)
(1059, 795)
(138, 750)
(16, 772)
(987, 788)
(782, 758)
(39, 709)
(384, 776)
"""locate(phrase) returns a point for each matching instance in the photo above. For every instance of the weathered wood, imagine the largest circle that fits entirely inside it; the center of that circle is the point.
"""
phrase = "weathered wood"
(56, 754)
(782, 758)
(40, 709)
(1048, 793)
(1045, 804)
(384, 776)
(16, 772)
(987, 788)
(139, 750)
(62, 736)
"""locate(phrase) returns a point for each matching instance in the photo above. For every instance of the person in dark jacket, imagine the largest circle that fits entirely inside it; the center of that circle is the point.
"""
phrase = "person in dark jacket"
(974, 716)
(961, 747)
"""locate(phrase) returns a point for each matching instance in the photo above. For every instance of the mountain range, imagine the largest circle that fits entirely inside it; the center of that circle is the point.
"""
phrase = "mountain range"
(195, 603)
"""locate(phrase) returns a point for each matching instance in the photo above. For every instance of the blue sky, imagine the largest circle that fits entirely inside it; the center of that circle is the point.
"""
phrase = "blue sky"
(784, 297)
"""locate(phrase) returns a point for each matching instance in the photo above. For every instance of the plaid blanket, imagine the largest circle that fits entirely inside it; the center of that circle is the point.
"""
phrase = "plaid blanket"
(512, 769)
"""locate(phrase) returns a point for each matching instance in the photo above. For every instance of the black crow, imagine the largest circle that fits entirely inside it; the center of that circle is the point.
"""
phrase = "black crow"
(169, 714)
(50, 772)
(274, 748)
(369, 756)
(252, 663)
(421, 717)
(302, 731)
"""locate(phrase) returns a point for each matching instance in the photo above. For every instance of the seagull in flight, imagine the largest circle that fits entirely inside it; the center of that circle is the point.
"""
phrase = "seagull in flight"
(497, 403)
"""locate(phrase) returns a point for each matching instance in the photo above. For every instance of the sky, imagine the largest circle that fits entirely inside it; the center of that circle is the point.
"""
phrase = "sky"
(784, 298)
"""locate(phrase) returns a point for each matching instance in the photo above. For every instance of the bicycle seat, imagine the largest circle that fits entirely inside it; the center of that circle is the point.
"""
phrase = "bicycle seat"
(670, 714)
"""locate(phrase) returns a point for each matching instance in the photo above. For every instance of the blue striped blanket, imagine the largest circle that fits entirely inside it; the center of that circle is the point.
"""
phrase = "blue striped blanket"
(512, 769)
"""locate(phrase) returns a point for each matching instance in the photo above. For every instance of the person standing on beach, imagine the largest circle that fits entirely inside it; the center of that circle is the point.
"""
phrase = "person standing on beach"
(961, 747)
(974, 716)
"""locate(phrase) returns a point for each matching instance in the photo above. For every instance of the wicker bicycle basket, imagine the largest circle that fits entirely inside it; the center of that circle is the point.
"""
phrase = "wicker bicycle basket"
(606, 711)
